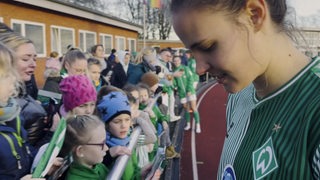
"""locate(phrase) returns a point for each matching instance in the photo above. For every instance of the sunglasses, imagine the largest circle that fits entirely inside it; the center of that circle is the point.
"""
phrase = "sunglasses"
(98, 144)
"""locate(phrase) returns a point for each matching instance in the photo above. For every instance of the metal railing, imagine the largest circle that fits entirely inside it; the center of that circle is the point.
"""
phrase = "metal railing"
(121, 162)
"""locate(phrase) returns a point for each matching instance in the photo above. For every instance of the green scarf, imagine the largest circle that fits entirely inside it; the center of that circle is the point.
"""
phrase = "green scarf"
(80, 172)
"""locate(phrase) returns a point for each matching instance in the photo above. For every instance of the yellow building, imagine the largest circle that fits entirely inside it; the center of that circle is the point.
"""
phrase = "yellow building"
(52, 26)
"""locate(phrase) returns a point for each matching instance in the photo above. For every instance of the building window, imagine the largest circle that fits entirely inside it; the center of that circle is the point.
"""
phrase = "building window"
(1, 19)
(33, 31)
(61, 37)
(120, 43)
(87, 40)
(107, 41)
(132, 45)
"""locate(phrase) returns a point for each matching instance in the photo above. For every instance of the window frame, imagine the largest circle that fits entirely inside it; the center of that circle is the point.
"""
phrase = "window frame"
(103, 35)
(129, 44)
(85, 48)
(23, 32)
(117, 44)
(60, 51)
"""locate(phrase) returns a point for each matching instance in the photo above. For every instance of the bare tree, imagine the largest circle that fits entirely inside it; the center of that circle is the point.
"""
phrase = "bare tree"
(158, 25)
(165, 24)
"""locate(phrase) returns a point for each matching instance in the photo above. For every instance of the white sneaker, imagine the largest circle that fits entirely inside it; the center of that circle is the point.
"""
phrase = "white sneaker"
(198, 130)
(187, 127)
(175, 118)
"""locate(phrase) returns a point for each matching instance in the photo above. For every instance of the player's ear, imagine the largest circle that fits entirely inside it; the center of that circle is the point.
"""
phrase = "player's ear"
(256, 10)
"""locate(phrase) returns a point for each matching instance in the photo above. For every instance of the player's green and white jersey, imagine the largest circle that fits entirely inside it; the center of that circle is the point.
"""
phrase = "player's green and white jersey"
(277, 137)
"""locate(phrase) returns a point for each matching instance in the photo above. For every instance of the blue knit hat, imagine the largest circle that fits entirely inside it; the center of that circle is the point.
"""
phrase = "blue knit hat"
(112, 105)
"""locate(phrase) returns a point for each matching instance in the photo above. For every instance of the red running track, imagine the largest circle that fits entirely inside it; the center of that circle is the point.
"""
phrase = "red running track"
(209, 142)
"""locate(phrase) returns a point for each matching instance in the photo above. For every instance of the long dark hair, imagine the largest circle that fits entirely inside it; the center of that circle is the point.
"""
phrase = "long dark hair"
(277, 8)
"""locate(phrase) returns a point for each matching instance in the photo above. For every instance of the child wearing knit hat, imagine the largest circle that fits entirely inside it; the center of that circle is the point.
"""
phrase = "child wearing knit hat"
(114, 109)
(79, 96)
(112, 105)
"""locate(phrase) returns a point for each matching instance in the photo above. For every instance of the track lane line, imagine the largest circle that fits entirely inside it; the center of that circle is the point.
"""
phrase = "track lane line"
(193, 138)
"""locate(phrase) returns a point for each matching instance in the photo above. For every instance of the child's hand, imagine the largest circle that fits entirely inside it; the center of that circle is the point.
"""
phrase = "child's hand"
(150, 147)
(157, 174)
(58, 161)
(119, 150)
(135, 113)
(165, 125)
(146, 169)
(55, 122)
(150, 112)
(178, 73)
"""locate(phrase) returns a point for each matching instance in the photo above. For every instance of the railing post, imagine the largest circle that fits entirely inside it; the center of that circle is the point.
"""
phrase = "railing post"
(207, 77)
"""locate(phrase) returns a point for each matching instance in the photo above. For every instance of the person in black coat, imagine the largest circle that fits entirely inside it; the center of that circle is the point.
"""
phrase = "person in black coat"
(31, 87)
(119, 75)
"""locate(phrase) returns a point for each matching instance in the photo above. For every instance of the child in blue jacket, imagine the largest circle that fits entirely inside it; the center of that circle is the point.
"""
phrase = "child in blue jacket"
(15, 154)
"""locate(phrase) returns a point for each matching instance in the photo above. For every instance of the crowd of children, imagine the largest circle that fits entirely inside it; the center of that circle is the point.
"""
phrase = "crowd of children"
(99, 117)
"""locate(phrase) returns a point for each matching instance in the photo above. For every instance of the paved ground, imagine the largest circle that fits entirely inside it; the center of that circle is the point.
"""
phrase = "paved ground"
(206, 146)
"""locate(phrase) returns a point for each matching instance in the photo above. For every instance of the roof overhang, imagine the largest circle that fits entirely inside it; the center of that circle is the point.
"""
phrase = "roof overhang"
(82, 12)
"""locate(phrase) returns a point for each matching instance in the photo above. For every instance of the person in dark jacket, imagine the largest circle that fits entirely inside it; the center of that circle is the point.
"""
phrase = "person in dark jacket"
(119, 75)
(112, 57)
(15, 153)
(31, 87)
(35, 117)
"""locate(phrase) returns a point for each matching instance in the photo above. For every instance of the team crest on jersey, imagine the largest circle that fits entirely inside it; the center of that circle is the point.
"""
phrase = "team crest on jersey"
(228, 173)
(264, 160)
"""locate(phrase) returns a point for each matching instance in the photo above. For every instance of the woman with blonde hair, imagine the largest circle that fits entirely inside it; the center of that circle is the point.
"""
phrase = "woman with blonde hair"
(34, 116)
(145, 61)
(15, 152)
